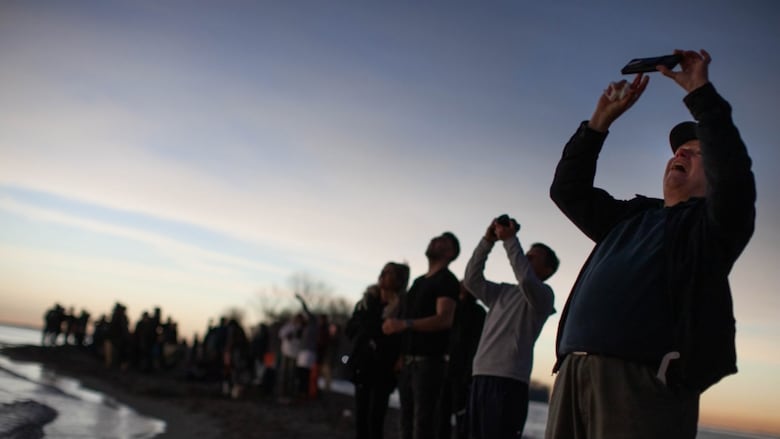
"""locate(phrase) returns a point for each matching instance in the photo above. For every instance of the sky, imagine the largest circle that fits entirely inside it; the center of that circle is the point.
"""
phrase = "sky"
(197, 155)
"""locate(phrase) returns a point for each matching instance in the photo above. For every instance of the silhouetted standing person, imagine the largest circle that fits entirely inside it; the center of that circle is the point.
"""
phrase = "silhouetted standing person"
(80, 332)
(117, 337)
(498, 406)
(258, 348)
(290, 335)
(236, 358)
(304, 362)
(145, 336)
(464, 338)
(52, 325)
(323, 353)
(375, 355)
(427, 312)
(649, 324)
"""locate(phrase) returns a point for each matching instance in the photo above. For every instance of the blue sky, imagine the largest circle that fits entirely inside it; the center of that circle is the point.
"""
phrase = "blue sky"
(194, 155)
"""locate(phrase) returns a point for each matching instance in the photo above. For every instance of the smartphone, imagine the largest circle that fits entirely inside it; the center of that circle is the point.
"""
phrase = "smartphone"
(642, 65)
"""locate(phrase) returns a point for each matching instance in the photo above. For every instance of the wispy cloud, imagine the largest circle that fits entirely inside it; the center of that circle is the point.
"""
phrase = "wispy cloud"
(184, 255)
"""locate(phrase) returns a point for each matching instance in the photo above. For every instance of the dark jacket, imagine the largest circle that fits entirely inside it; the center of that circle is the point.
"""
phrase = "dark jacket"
(464, 338)
(374, 354)
(703, 236)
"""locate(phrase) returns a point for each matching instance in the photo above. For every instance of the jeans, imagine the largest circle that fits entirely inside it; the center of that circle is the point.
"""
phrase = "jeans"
(419, 387)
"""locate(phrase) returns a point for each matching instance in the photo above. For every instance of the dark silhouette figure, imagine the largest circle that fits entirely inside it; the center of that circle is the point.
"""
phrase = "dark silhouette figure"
(53, 320)
(236, 360)
(80, 329)
(464, 339)
(427, 311)
(374, 357)
(116, 343)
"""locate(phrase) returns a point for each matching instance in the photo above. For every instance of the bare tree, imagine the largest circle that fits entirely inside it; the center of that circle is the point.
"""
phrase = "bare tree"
(277, 303)
(339, 309)
(315, 292)
(271, 304)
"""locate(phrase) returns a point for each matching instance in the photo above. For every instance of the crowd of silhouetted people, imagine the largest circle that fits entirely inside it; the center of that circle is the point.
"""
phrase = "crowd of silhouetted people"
(285, 358)
(58, 322)
(151, 344)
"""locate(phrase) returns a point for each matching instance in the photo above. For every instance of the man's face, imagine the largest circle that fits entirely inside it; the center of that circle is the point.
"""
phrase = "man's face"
(537, 258)
(439, 248)
(684, 177)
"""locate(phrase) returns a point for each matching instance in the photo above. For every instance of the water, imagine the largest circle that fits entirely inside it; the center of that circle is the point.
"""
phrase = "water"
(80, 412)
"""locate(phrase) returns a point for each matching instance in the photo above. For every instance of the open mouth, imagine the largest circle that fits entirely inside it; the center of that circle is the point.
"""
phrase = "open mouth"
(678, 167)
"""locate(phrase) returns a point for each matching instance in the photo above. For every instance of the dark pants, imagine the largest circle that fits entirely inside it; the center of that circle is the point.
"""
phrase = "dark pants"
(444, 411)
(606, 397)
(419, 387)
(498, 407)
(302, 381)
(287, 377)
(371, 407)
(453, 401)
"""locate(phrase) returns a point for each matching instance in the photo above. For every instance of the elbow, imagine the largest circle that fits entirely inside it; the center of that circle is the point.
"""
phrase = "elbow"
(470, 278)
(444, 319)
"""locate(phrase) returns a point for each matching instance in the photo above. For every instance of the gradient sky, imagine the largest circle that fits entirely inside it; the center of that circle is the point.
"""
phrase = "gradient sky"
(195, 155)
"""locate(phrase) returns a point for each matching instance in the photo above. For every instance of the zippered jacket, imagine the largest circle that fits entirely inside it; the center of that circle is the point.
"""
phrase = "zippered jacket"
(703, 236)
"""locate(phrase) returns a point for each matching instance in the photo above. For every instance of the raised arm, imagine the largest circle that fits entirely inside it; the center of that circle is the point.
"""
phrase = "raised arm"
(474, 278)
(303, 305)
(731, 188)
(539, 295)
(592, 210)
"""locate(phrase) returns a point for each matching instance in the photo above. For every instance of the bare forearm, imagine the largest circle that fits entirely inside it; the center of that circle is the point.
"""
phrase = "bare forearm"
(432, 323)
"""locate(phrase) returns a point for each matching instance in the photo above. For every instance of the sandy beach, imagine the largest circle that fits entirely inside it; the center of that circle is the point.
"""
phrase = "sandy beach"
(193, 409)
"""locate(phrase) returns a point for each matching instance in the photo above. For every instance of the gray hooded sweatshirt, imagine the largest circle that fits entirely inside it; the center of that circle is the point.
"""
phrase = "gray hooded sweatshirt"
(516, 315)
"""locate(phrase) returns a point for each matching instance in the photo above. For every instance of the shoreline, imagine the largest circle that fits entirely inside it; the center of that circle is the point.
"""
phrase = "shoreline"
(197, 409)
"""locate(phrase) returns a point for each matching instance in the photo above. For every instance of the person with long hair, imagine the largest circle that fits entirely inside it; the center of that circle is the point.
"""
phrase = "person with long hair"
(374, 356)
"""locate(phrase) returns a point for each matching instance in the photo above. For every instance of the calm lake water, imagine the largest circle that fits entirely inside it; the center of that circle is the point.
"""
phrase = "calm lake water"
(80, 412)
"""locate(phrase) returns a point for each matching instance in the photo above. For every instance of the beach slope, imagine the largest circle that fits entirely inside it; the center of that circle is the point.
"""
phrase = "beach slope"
(196, 409)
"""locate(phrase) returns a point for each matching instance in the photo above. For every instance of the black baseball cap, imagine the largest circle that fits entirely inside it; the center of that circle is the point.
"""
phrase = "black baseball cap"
(681, 133)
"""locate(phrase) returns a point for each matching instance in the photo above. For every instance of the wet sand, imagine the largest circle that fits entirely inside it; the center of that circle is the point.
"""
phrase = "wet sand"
(196, 409)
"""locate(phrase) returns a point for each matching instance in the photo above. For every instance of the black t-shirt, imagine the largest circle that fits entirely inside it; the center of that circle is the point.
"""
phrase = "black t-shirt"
(419, 302)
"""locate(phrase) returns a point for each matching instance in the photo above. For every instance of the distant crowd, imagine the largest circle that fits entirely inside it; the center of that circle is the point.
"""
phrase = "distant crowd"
(153, 344)
(285, 358)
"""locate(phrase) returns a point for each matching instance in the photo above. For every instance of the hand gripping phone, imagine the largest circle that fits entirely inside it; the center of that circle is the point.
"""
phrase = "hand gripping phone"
(643, 65)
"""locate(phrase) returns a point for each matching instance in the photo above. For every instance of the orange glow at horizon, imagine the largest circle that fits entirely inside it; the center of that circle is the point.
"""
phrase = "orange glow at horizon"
(730, 421)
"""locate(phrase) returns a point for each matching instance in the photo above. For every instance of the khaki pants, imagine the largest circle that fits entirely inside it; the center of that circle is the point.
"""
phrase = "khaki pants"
(597, 397)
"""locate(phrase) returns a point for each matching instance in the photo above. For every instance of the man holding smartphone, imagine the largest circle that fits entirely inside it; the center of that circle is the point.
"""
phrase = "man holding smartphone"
(649, 323)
